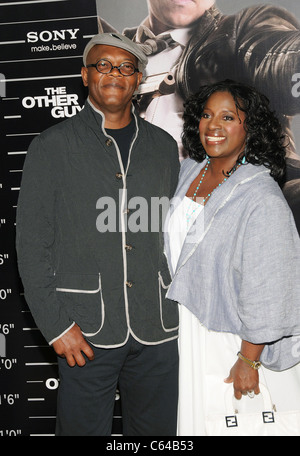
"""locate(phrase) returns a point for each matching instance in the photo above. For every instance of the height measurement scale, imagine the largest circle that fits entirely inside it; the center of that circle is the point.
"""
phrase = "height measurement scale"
(41, 47)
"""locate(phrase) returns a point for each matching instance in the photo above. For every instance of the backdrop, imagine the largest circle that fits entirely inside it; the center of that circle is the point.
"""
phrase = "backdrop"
(41, 44)
(120, 16)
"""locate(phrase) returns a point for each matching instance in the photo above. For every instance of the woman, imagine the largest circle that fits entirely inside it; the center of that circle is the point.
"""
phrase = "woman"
(234, 253)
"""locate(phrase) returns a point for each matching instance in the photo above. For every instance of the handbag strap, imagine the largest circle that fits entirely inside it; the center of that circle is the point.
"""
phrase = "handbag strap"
(232, 404)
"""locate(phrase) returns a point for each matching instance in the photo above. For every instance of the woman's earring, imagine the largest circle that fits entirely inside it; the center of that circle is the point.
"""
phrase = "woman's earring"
(244, 160)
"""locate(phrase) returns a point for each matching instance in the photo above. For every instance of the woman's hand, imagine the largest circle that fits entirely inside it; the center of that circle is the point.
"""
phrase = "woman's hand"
(245, 379)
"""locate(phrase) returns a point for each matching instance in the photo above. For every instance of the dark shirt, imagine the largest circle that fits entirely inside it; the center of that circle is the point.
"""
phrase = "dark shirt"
(123, 137)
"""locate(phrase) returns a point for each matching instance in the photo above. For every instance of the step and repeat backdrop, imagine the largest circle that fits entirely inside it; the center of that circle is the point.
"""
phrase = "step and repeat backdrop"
(41, 46)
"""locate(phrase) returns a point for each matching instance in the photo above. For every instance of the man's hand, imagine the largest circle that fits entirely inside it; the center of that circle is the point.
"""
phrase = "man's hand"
(72, 345)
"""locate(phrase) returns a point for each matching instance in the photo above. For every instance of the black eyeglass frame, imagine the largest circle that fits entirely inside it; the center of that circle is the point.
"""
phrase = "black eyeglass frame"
(95, 65)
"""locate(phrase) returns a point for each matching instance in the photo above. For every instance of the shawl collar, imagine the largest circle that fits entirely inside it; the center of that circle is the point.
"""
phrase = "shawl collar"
(189, 172)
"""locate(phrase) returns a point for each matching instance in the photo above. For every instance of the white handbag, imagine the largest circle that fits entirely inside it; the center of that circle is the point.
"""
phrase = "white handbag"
(264, 421)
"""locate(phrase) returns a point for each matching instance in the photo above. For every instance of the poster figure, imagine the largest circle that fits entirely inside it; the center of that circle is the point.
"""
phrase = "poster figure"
(191, 43)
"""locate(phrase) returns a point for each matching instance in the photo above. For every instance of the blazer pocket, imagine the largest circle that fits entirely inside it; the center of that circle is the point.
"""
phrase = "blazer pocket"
(168, 308)
(81, 296)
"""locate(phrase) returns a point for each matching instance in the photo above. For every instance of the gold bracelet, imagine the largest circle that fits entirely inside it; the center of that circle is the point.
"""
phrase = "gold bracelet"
(254, 364)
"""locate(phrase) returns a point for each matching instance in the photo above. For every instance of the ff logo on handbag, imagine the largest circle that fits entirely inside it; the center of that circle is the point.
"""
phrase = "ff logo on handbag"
(231, 421)
(268, 417)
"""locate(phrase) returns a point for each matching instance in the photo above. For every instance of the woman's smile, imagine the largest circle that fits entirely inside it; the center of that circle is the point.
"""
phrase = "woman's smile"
(214, 140)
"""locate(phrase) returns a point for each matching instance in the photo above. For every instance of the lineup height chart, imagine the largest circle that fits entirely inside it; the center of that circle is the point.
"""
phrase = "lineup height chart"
(41, 47)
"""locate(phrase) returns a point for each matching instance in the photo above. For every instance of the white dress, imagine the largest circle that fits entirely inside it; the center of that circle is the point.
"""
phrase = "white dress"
(206, 357)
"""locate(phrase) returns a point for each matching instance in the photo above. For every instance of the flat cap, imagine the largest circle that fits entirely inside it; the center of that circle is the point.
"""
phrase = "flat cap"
(120, 41)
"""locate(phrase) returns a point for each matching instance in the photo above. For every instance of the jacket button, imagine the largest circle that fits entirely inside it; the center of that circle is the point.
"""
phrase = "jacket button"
(129, 284)
(109, 142)
(119, 176)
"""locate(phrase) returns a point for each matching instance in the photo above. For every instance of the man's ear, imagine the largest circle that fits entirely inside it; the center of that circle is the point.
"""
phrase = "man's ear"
(84, 75)
(139, 79)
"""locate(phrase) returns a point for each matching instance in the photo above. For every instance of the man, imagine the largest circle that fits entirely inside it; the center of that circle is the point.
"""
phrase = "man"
(160, 95)
(97, 289)
(259, 46)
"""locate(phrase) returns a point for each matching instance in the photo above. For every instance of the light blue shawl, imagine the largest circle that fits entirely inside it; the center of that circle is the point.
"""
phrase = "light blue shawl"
(239, 268)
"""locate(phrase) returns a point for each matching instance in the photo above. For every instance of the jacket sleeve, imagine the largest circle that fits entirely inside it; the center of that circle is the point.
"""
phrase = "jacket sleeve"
(268, 53)
(269, 298)
(259, 45)
(35, 242)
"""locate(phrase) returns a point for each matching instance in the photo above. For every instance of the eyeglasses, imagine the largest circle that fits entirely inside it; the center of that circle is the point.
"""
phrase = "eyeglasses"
(105, 67)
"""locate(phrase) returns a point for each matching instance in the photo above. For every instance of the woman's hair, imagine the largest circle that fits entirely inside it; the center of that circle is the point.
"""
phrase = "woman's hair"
(264, 140)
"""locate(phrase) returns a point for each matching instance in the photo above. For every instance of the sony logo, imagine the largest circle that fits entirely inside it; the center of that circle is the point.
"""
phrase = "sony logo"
(54, 35)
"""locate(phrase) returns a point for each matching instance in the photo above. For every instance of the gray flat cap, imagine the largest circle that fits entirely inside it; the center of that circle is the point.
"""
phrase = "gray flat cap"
(120, 41)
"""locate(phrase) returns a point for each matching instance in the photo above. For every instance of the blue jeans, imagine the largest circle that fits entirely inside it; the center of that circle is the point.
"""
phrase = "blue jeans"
(147, 378)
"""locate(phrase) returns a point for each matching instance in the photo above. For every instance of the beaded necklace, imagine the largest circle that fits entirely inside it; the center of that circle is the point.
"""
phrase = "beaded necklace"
(189, 216)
